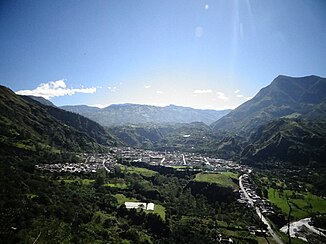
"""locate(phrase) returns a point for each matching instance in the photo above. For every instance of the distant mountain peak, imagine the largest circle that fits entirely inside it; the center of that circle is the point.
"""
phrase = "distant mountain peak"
(42, 100)
(299, 77)
(304, 81)
(122, 114)
(284, 96)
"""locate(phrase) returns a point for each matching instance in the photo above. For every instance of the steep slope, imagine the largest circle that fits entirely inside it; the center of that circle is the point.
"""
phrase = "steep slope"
(81, 109)
(42, 100)
(122, 114)
(27, 125)
(79, 123)
(303, 97)
(137, 136)
(194, 137)
(290, 140)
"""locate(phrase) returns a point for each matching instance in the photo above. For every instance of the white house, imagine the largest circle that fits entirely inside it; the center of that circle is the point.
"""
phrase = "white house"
(150, 206)
(146, 206)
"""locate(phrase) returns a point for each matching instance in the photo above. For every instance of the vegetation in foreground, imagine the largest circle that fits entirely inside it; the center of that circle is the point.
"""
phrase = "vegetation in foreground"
(285, 190)
(138, 170)
(303, 204)
(71, 208)
(158, 209)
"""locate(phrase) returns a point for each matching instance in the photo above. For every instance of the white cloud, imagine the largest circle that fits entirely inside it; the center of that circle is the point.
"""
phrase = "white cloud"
(147, 86)
(159, 92)
(241, 95)
(58, 84)
(55, 89)
(112, 89)
(221, 95)
(236, 91)
(203, 91)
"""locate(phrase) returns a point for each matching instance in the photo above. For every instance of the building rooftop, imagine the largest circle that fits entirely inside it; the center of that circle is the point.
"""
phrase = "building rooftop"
(146, 206)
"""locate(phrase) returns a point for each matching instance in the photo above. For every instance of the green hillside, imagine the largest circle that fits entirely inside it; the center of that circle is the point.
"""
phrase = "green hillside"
(303, 97)
(216, 178)
(298, 141)
(29, 126)
(124, 114)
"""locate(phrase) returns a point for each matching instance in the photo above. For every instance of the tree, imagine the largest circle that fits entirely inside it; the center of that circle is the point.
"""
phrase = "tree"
(289, 218)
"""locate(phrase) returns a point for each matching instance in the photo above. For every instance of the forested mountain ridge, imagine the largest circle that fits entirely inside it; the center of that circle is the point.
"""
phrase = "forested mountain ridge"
(123, 114)
(80, 123)
(183, 136)
(287, 140)
(285, 121)
(303, 97)
(28, 125)
(42, 100)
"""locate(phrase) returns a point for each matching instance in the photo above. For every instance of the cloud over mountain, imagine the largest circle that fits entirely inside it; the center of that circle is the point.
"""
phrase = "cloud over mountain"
(55, 89)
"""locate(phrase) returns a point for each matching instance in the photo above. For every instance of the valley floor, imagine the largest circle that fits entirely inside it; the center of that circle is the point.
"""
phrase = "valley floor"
(196, 199)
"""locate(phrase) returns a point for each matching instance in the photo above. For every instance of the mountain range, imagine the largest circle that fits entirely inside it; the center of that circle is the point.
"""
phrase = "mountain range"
(282, 130)
(29, 126)
(42, 100)
(285, 121)
(285, 97)
(297, 141)
(123, 114)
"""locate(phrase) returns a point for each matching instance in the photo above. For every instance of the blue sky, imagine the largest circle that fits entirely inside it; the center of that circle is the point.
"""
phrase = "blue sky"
(204, 54)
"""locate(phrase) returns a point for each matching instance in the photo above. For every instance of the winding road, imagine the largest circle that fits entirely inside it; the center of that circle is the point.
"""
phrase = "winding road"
(269, 228)
(105, 166)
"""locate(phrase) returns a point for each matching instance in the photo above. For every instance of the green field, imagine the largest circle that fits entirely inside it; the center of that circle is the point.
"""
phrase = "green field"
(231, 174)
(180, 167)
(135, 170)
(82, 181)
(117, 185)
(158, 209)
(216, 178)
(122, 199)
(301, 208)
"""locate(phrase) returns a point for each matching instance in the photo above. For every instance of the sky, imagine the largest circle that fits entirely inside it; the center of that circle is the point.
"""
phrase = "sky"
(212, 54)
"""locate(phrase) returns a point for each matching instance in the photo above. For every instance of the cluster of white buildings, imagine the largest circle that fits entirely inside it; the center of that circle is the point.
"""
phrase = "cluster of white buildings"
(169, 159)
(108, 161)
(71, 167)
(146, 206)
(263, 204)
(91, 165)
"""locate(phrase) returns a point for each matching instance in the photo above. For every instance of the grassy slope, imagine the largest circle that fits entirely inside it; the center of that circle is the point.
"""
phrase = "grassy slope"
(122, 199)
(216, 178)
(82, 181)
(26, 124)
(301, 208)
(117, 185)
(136, 170)
(158, 209)
(230, 174)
